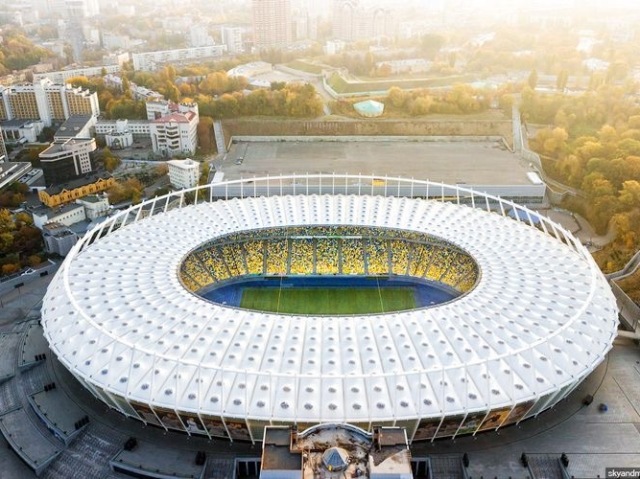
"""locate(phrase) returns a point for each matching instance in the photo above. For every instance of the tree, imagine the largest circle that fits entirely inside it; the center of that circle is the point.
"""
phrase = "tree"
(630, 194)
(206, 139)
(397, 97)
(430, 44)
(126, 86)
(596, 185)
(562, 80)
(421, 105)
(111, 163)
(532, 81)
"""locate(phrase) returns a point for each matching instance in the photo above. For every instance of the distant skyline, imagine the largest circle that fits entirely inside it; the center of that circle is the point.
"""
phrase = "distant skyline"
(471, 4)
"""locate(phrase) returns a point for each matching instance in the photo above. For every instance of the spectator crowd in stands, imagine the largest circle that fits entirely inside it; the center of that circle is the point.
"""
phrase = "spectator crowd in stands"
(329, 250)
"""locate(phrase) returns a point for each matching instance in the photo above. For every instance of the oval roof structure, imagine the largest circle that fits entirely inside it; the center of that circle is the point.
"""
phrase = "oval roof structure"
(540, 318)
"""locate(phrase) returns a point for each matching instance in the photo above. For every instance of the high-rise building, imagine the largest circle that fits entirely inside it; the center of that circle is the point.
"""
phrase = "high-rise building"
(353, 21)
(46, 101)
(232, 38)
(271, 23)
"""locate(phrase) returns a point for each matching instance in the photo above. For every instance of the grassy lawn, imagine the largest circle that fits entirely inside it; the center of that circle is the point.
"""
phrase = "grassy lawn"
(341, 85)
(328, 300)
(305, 67)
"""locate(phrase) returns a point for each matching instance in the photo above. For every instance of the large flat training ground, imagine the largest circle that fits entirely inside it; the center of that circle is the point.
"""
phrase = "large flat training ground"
(316, 301)
(452, 162)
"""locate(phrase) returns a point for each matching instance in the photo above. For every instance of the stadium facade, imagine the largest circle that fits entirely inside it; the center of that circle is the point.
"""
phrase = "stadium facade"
(534, 316)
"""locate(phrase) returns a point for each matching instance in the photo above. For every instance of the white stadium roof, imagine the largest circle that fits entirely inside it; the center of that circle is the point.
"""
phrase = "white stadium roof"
(540, 318)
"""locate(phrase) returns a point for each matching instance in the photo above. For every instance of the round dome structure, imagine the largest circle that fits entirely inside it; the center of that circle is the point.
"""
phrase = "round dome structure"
(122, 315)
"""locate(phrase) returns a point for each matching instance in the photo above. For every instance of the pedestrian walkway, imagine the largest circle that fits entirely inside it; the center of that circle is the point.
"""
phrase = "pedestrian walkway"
(34, 346)
(8, 346)
(26, 440)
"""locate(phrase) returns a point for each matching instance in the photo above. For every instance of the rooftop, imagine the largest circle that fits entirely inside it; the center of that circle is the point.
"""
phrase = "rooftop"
(58, 210)
(77, 183)
(72, 126)
(389, 371)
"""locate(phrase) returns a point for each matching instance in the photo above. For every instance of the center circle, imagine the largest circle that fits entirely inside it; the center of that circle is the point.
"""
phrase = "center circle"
(328, 270)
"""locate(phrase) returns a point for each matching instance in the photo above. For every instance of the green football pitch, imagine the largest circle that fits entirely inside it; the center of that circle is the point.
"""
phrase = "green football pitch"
(328, 300)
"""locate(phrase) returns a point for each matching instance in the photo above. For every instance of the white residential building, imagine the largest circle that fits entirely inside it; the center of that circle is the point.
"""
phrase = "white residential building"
(151, 61)
(95, 206)
(183, 173)
(23, 131)
(135, 127)
(172, 128)
(175, 134)
(232, 39)
(61, 76)
(157, 108)
(199, 36)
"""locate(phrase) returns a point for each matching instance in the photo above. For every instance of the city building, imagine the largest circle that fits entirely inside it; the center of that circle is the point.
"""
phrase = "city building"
(21, 131)
(304, 25)
(73, 190)
(183, 173)
(95, 206)
(67, 159)
(151, 61)
(114, 41)
(137, 128)
(159, 107)
(333, 47)
(335, 451)
(232, 39)
(78, 9)
(58, 238)
(353, 21)
(61, 76)
(271, 23)
(46, 101)
(407, 65)
(171, 127)
(76, 126)
(66, 215)
(120, 136)
(175, 134)
(198, 36)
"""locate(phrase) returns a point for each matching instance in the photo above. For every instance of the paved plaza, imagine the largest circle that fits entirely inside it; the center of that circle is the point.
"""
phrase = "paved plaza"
(455, 162)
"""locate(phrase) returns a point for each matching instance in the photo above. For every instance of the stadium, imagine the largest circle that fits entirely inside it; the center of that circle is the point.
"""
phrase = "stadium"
(311, 299)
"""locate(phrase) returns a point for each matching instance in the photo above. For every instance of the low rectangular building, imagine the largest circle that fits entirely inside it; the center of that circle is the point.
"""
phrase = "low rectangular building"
(73, 190)
(65, 215)
(151, 61)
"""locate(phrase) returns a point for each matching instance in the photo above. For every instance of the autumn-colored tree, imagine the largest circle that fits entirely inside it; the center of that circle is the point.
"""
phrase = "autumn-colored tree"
(532, 81)
(397, 97)
(420, 105)
(206, 140)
